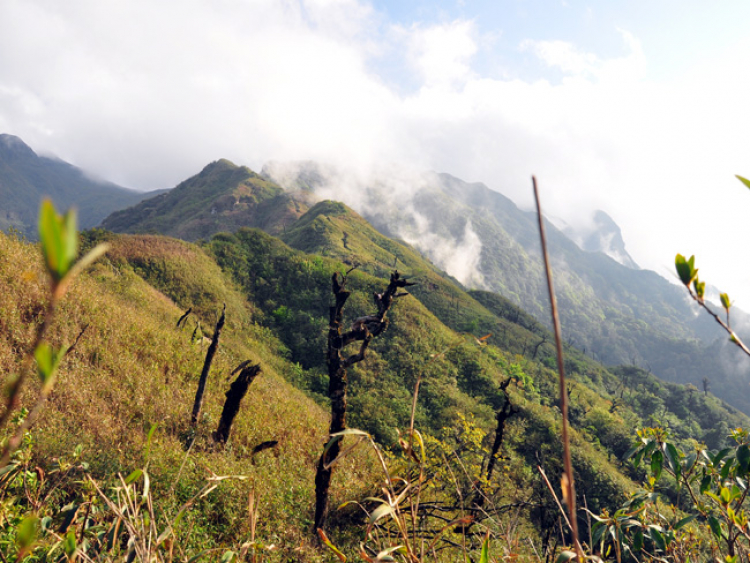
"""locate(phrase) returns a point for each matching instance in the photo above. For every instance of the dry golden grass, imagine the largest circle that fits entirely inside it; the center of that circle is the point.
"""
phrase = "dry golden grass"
(133, 368)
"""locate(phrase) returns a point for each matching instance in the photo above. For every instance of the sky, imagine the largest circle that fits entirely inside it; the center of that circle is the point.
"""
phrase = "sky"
(636, 107)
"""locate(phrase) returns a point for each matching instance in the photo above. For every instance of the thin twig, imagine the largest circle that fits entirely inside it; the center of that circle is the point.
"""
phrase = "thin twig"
(725, 325)
(568, 484)
(557, 501)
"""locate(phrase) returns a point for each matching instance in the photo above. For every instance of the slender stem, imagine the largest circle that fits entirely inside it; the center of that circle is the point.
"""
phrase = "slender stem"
(568, 484)
(724, 325)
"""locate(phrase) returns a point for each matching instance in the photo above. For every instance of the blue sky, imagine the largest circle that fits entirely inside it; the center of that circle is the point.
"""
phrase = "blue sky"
(674, 32)
(638, 108)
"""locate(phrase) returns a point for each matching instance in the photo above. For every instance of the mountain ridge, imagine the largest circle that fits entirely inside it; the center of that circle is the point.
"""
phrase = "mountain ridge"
(26, 177)
(222, 196)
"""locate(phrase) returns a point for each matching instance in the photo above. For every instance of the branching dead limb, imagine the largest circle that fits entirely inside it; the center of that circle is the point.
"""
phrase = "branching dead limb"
(363, 330)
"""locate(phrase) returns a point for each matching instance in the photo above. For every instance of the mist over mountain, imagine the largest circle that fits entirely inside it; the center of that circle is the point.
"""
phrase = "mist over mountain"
(25, 178)
(604, 236)
(265, 254)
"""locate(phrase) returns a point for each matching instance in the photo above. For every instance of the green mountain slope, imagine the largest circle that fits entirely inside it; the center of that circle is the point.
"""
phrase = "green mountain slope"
(222, 197)
(25, 178)
(334, 230)
(615, 313)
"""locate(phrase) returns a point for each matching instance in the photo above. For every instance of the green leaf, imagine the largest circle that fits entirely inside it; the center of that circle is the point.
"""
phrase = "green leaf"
(638, 541)
(631, 452)
(656, 464)
(228, 557)
(684, 521)
(700, 288)
(135, 475)
(725, 495)
(638, 458)
(148, 440)
(59, 239)
(565, 556)
(743, 180)
(26, 532)
(69, 543)
(47, 361)
(725, 301)
(685, 269)
(599, 529)
(657, 537)
(719, 456)
(715, 527)
(484, 556)
(673, 459)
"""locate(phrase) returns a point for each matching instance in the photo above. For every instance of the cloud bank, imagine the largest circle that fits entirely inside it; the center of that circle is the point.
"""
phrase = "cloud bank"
(146, 93)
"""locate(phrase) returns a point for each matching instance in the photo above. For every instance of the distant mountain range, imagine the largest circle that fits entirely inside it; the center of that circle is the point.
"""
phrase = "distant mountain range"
(428, 224)
(25, 178)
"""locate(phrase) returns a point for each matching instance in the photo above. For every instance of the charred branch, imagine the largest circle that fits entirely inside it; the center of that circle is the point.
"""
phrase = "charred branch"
(503, 414)
(236, 393)
(198, 404)
(181, 321)
(363, 330)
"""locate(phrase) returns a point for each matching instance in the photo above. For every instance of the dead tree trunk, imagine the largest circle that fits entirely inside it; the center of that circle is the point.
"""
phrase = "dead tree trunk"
(536, 348)
(198, 404)
(502, 415)
(362, 330)
(236, 393)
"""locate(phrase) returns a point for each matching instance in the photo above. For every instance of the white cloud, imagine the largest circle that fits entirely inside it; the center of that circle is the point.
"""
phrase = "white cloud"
(563, 55)
(146, 93)
(442, 53)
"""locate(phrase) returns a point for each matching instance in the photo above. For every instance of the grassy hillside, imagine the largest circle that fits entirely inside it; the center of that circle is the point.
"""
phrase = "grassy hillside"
(616, 314)
(133, 368)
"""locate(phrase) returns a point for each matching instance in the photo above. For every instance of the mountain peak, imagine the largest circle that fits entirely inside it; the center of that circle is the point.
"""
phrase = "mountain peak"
(607, 238)
(13, 146)
(221, 164)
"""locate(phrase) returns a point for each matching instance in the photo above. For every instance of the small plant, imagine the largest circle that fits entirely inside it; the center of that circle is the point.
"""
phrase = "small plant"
(59, 246)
